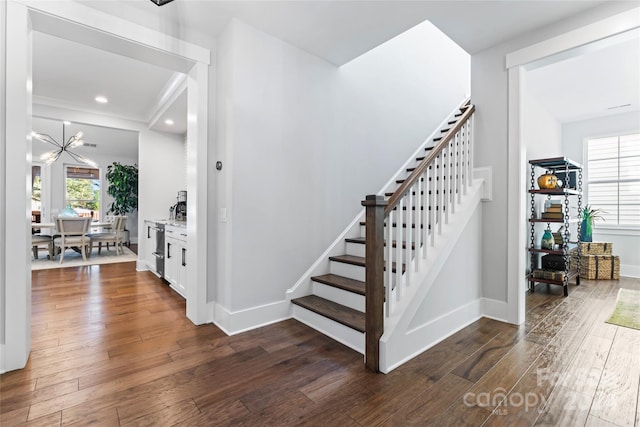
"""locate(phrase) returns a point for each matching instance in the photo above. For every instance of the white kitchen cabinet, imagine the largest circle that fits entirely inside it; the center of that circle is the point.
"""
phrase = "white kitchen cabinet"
(175, 265)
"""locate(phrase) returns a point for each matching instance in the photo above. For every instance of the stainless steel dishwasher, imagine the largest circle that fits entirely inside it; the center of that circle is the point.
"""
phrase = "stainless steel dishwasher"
(159, 252)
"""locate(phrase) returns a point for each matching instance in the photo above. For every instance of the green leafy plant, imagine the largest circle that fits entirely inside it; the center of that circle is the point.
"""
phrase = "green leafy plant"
(123, 187)
(590, 215)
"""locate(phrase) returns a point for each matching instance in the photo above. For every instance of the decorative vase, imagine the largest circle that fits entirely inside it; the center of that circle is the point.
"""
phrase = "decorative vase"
(547, 181)
(586, 232)
(547, 240)
(68, 212)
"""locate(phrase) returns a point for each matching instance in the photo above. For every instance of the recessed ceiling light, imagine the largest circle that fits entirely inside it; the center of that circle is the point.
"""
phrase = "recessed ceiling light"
(168, 122)
(66, 122)
(101, 99)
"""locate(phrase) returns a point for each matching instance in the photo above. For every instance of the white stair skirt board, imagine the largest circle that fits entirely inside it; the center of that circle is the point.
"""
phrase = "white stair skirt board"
(340, 296)
(343, 334)
(351, 271)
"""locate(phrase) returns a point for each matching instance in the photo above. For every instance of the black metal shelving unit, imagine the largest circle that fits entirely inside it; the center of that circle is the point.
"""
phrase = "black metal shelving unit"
(563, 166)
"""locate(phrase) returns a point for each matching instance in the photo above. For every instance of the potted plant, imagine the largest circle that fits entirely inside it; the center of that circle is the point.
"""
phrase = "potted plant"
(123, 187)
(589, 215)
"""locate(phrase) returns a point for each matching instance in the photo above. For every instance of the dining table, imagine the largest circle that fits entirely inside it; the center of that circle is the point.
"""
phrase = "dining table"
(94, 224)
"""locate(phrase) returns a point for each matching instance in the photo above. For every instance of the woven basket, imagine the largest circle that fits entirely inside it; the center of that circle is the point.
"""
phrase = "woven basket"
(596, 248)
(548, 275)
(596, 267)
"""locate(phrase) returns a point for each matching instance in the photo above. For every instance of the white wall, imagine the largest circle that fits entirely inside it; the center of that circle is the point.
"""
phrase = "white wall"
(161, 173)
(541, 132)
(303, 142)
(3, 198)
(626, 242)
(489, 84)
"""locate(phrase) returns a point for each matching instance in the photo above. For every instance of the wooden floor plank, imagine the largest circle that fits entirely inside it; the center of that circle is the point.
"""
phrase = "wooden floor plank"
(616, 397)
(112, 346)
(79, 416)
(565, 407)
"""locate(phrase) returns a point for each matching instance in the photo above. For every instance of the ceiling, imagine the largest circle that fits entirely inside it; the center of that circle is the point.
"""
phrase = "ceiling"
(101, 141)
(599, 81)
(70, 75)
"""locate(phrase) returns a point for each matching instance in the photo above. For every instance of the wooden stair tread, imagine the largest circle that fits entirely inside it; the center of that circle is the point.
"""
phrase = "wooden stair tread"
(400, 181)
(360, 261)
(347, 316)
(363, 241)
(349, 259)
(393, 224)
(341, 282)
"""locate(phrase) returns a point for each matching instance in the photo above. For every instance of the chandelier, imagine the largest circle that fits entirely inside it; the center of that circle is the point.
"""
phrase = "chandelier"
(66, 147)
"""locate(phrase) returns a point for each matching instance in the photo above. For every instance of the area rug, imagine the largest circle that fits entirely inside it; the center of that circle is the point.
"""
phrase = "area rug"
(627, 311)
(74, 259)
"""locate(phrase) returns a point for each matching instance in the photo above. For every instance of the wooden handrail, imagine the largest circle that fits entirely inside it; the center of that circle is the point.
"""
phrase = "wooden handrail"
(419, 170)
(384, 286)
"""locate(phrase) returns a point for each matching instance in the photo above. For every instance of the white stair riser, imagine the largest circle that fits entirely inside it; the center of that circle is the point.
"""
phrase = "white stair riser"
(339, 332)
(349, 299)
(355, 249)
(355, 272)
(358, 249)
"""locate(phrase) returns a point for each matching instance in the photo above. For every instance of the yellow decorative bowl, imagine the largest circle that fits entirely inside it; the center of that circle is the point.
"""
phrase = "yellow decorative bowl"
(547, 181)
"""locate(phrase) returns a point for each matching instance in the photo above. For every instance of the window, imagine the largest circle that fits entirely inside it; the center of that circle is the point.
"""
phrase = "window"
(613, 168)
(83, 190)
(36, 188)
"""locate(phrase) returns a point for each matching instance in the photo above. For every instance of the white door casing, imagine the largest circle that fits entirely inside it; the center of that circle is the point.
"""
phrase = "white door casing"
(86, 25)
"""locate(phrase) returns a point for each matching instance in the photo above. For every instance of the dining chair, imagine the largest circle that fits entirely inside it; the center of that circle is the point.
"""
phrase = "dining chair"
(113, 236)
(38, 240)
(71, 233)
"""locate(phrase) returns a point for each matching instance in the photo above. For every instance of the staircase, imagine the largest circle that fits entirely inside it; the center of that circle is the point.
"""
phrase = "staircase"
(336, 305)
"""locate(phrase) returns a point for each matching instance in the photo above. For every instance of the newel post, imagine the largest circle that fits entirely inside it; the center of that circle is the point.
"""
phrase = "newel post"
(374, 278)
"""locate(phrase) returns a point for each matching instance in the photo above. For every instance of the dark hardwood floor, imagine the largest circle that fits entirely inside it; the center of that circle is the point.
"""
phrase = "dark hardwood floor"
(112, 346)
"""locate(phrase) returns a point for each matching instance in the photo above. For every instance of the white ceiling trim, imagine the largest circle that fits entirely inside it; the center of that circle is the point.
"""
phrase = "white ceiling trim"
(605, 28)
(134, 38)
(61, 105)
(175, 87)
(77, 116)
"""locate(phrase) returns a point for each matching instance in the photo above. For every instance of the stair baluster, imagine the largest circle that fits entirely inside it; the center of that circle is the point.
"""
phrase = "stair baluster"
(412, 223)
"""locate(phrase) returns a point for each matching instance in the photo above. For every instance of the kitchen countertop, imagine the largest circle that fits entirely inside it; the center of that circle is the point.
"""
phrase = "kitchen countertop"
(172, 222)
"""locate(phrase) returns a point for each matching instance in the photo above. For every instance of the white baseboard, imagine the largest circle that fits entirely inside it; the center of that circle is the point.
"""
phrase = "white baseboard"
(430, 333)
(628, 270)
(2, 367)
(494, 309)
(141, 265)
(233, 323)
